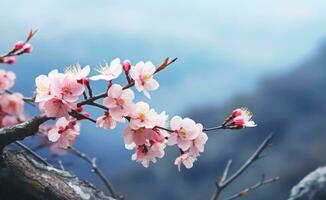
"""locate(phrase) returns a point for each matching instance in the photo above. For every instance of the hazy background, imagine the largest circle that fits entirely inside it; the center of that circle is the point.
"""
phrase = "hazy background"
(268, 55)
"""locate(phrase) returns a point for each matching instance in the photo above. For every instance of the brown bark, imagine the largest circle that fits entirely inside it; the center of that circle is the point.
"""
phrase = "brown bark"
(22, 177)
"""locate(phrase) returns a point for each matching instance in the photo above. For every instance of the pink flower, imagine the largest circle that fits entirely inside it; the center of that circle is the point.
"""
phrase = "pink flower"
(66, 88)
(119, 102)
(55, 107)
(186, 159)
(240, 118)
(185, 130)
(198, 144)
(142, 116)
(64, 132)
(7, 80)
(43, 86)
(146, 154)
(12, 103)
(143, 74)
(9, 120)
(109, 72)
(138, 137)
(77, 72)
(106, 121)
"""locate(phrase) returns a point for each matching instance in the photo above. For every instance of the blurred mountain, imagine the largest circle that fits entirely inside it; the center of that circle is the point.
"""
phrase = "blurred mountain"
(293, 106)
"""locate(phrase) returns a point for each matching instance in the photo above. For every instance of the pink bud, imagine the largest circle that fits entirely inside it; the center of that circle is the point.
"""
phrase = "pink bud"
(126, 65)
(239, 122)
(10, 60)
(27, 48)
(79, 109)
(19, 45)
(237, 112)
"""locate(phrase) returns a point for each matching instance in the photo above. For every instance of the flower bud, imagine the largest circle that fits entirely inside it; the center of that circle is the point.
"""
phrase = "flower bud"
(27, 48)
(10, 60)
(80, 109)
(126, 65)
(19, 45)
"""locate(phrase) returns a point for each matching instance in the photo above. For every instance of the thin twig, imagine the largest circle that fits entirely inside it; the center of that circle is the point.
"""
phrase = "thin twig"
(255, 156)
(61, 165)
(96, 169)
(33, 153)
(253, 187)
(214, 128)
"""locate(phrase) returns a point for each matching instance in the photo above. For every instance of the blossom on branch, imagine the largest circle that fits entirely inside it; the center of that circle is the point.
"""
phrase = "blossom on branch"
(240, 118)
(109, 72)
(64, 132)
(143, 75)
(119, 102)
(7, 80)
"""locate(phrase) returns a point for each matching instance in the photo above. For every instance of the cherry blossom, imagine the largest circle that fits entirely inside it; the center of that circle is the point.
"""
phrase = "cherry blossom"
(184, 131)
(146, 154)
(43, 83)
(77, 72)
(56, 107)
(142, 116)
(119, 102)
(198, 144)
(12, 104)
(143, 75)
(7, 80)
(64, 132)
(186, 159)
(240, 118)
(106, 121)
(9, 120)
(109, 72)
(66, 87)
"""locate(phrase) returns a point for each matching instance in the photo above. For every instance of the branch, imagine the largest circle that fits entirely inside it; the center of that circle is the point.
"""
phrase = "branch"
(96, 169)
(23, 177)
(224, 182)
(20, 131)
(255, 186)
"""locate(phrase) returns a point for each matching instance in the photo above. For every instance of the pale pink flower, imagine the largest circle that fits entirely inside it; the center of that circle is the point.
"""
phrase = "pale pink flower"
(12, 103)
(119, 102)
(55, 107)
(106, 121)
(77, 72)
(64, 132)
(109, 72)
(146, 154)
(43, 83)
(9, 120)
(198, 144)
(142, 116)
(138, 137)
(66, 87)
(7, 80)
(185, 130)
(186, 159)
(143, 75)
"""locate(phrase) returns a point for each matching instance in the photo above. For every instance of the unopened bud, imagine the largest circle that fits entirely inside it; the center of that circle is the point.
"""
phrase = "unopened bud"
(27, 48)
(10, 60)
(80, 109)
(19, 45)
(126, 65)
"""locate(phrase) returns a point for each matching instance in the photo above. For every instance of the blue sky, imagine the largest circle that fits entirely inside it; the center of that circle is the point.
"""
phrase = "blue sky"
(224, 47)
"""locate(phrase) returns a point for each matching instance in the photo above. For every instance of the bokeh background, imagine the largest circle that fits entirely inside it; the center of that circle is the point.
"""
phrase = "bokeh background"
(268, 55)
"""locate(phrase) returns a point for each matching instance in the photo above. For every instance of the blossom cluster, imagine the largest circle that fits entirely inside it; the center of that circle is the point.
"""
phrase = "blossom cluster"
(148, 132)
(11, 104)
